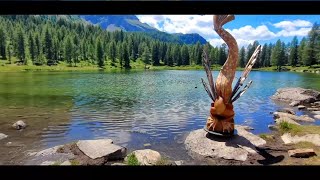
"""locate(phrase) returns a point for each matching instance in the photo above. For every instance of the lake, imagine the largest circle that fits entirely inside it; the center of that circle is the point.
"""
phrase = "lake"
(132, 108)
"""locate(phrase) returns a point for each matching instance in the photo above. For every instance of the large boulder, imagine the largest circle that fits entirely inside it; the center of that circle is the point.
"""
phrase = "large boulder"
(2, 136)
(19, 125)
(287, 138)
(147, 156)
(102, 148)
(296, 94)
(293, 117)
(201, 145)
(288, 120)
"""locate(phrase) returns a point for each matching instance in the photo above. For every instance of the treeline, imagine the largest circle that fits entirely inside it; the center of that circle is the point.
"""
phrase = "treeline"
(39, 41)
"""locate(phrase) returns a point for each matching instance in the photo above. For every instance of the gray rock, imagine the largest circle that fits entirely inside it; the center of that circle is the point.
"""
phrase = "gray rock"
(317, 117)
(312, 138)
(315, 112)
(237, 147)
(317, 102)
(47, 163)
(273, 127)
(2, 136)
(302, 153)
(293, 117)
(294, 103)
(147, 145)
(288, 120)
(101, 148)
(147, 156)
(297, 94)
(286, 110)
(301, 107)
(19, 125)
(118, 164)
(313, 109)
(46, 152)
(178, 163)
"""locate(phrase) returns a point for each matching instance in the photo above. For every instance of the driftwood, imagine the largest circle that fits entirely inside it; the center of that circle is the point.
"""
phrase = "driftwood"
(221, 118)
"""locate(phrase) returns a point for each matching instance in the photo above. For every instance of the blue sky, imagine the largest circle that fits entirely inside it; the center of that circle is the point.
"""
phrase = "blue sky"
(245, 28)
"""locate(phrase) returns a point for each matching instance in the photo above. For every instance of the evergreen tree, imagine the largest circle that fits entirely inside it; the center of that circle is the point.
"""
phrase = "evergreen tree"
(155, 54)
(2, 44)
(293, 57)
(276, 55)
(222, 54)
(242, 57)
(146, 56)
(21, 47)
(68, 51)
(112, 52)
(185, 55)
(48, 45)
(32, 49)
(100, 54)
(126, 57)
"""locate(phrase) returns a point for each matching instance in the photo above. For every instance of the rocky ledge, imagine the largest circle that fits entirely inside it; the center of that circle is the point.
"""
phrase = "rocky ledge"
(201, 145)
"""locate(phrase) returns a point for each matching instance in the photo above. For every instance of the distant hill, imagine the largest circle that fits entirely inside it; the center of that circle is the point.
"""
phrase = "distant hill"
(131, 23)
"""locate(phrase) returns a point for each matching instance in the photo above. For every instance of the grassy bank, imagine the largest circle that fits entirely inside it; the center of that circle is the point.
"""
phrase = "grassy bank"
(137, 65)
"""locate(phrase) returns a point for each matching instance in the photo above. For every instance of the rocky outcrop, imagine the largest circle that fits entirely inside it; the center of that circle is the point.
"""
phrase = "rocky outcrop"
(2, 136)
(302, 153)
(297, 94)
(287, 138)
(287, 110)
(147, 156)
(19, 125)
(200, 144)
(288, 120)
(102, 148)
(293, 117)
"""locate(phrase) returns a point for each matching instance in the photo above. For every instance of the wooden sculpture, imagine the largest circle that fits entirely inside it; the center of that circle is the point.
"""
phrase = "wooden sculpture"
(221, 120)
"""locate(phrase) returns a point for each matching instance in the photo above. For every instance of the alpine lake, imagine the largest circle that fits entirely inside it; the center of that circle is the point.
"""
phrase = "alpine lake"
(134, 108)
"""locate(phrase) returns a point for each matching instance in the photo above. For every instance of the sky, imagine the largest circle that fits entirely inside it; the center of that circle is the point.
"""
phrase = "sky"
(245, 28)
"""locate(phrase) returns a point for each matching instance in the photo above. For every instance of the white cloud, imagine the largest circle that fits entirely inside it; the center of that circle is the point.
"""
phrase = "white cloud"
(292, 25)
(244, 35)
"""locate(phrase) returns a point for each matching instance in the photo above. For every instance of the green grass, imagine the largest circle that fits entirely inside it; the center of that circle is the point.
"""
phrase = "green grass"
(267, 137)
(298, 130)
(132, 160)
(74, 163)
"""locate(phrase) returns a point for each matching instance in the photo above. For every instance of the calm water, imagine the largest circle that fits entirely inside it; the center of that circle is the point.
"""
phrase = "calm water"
(132, 108)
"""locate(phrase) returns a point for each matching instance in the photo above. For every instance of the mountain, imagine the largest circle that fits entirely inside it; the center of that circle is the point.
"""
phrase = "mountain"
(132, 24)
(117, 22)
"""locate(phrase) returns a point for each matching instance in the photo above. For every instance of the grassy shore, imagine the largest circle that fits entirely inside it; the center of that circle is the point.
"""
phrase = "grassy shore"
(137, 65)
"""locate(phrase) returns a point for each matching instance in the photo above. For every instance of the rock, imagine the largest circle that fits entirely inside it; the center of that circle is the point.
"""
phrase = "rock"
(293, 117)
(2, 136)
(178, 163)
(288, 120)
(147, 145)
(317, 117)
(313, 109)
(287, 110)
(147, 156)
(315, 112)
(317, 102)
(248, 128)
(273, 127)
(19, 125)
(294, 103)
(301, 107)
(47, 163)
(46, 152)
(312, 138)
(101, 148)
(297, 94)
(66, 163)
(201, 145)
(118, 164)
(302, 153)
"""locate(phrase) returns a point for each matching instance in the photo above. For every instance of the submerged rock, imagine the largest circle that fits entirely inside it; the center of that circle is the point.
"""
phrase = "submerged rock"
(293, 117)
(178, 163)
(201, 145)
(294, 103)
(301, 107)
(2, 136)
(101, 148)
(66, 163)
(273, 127)
(287, 110)
(147, 156)
(297, 94)
(313, 109)
(19, 125)
(312, 138)
(118, 164)
(302, 153)
(315, 112)
(317, 117)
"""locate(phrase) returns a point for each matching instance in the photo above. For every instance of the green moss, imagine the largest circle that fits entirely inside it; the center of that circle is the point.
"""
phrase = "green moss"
(285, 127)
(266, 137)
(132, 160)
(74, 162)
